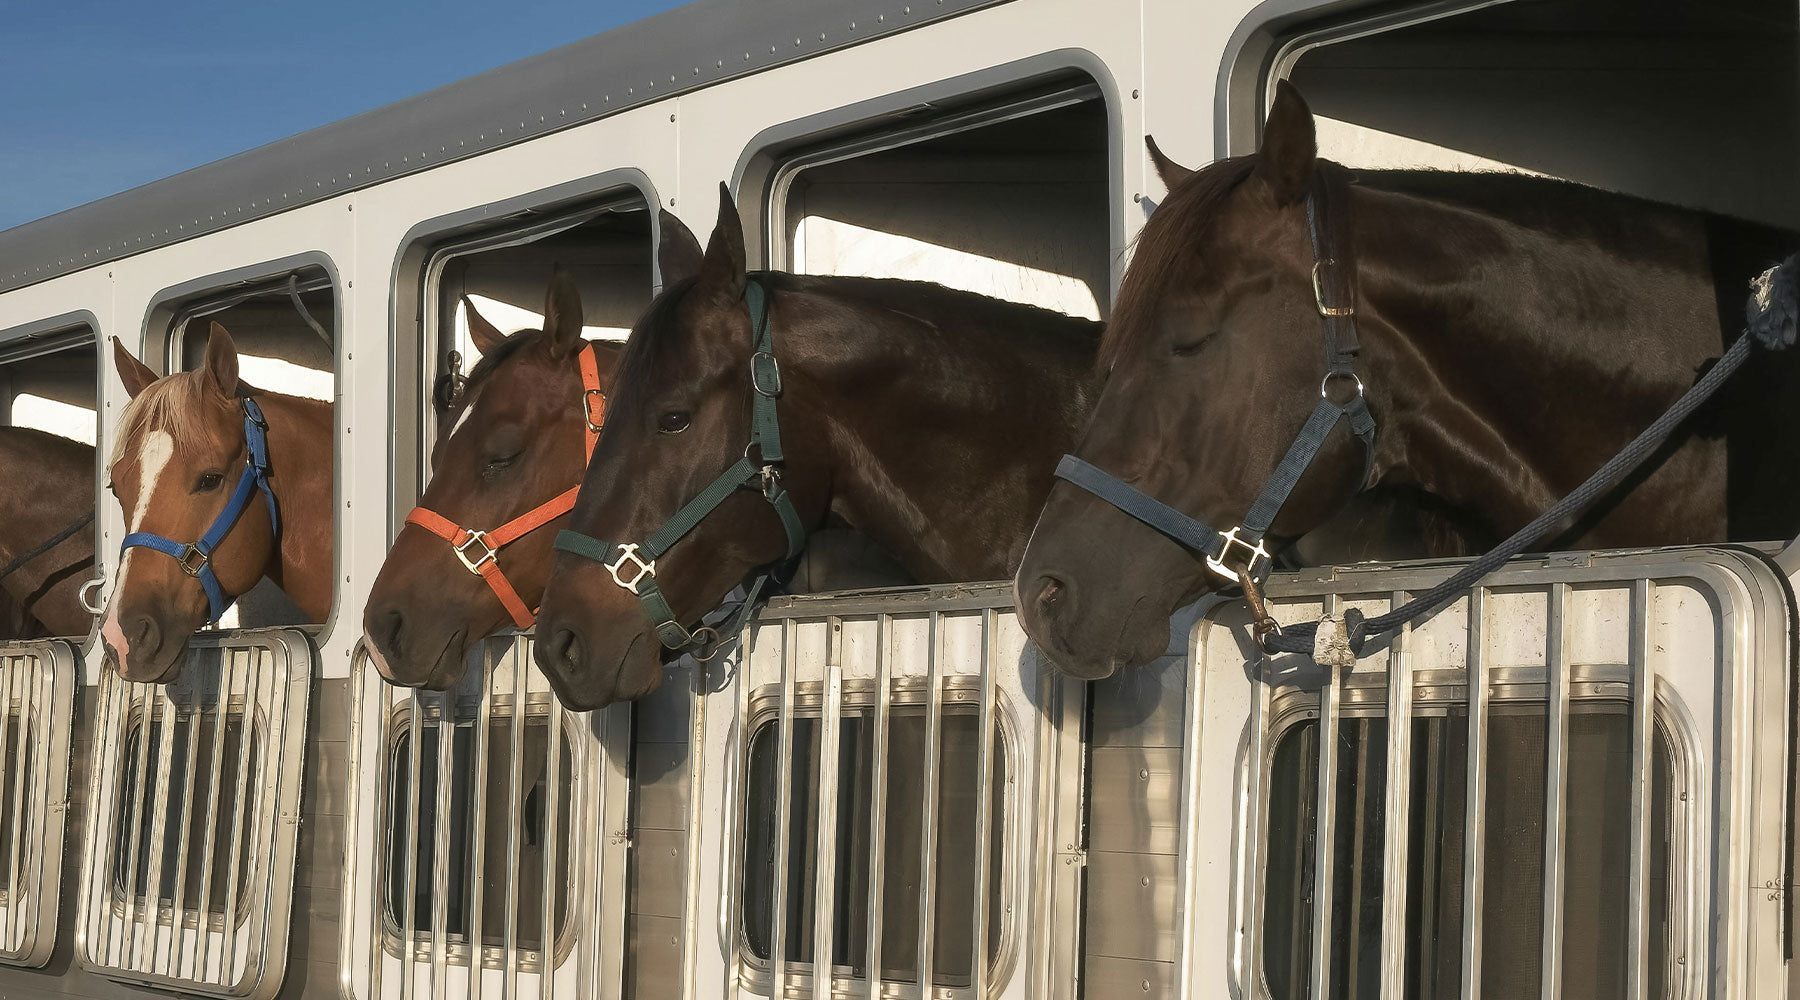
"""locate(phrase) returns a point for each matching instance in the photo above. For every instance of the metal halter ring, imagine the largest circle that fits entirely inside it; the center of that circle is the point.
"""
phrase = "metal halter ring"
(628, 553)
(487, 551)
(1352, 376)
(187, 558)
(1227, 540)
(709, 648)
(1319, 292)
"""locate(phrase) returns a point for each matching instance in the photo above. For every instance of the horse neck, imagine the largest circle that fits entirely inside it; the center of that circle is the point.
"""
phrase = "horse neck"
(36, 506)
(941, 433)
(1509, 359)
(301, 474)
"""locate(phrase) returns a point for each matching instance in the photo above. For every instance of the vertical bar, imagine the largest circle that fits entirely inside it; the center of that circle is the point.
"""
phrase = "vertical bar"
(1433, 862)
(380, 881)
(550, 871)
(7, 927)
(934, 739)
(825, 849)
(208, 840)
(1643, 731)
(159, 830)
(1397, 838)
(784, 804)
(116, 695)
(1556, 782)
(478, 815)
(409, 869)
(1474, 817)
(1325, 829)
(246, 739)
(1357, 872)
(515, 816)
(440, 844)
(134, 826)
(878, 799)
(178, 916)
(984, 799)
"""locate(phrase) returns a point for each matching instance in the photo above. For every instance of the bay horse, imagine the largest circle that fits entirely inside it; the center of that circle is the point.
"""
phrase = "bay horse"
(46, 489)
(211, 510)
(1515, 333)
(510, 452)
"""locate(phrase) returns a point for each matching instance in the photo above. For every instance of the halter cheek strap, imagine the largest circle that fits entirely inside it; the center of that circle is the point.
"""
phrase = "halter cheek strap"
(195, 558)
(633, 564)
(479, 551)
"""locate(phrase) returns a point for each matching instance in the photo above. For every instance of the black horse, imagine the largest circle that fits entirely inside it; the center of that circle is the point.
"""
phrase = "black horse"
(1515, 333)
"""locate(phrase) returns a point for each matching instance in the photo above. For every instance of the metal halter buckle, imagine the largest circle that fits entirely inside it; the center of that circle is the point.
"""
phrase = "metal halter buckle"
(1227, 540)
(1319, 292)
(587, 406)
(487, 551)
(628, 553)
(190, 553)
(765, 374)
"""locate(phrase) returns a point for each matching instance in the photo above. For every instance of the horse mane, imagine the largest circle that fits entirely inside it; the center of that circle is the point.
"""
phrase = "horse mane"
(173, 404)
(1183, 219)
(646, 347)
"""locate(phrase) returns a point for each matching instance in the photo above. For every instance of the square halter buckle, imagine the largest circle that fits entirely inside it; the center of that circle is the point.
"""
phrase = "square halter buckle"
(628, 553)
(1252, 554)
(193, 559)
(487, 551)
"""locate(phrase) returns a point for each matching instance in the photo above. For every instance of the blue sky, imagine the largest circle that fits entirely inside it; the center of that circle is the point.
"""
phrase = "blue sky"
(97, 96)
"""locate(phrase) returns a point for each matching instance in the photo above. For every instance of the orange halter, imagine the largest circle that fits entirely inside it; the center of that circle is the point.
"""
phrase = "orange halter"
(485, 560)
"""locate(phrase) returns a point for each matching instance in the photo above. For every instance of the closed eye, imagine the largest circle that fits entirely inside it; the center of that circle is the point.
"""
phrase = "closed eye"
(1187, 349)
(499, 463)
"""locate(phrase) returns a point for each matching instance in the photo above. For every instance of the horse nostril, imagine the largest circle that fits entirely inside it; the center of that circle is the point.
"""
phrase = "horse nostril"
(564, 650)
(145, 634)
(1050, 593)
(387, 629)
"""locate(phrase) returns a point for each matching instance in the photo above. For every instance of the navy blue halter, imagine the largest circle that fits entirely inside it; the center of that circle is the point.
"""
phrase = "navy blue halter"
(195, 558)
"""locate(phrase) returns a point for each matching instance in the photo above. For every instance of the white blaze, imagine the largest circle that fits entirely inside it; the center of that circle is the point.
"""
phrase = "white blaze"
(153, 456)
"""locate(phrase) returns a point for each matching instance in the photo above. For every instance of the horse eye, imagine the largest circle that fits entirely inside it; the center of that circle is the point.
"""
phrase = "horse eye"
(1192, 347)
(496, 462)
(208, 482)
(672, 423)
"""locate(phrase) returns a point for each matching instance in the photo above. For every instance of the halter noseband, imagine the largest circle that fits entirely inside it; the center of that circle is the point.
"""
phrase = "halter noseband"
(479, 551)
(195, 558)
(633, 564)
(1334, 296)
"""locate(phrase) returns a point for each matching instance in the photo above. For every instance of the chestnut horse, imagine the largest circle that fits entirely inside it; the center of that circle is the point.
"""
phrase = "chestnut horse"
(511, 443)
(46, 488)
(1515, 333)
(178, 467)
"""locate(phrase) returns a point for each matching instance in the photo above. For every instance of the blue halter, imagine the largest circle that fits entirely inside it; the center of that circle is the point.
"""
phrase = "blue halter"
(195, 558)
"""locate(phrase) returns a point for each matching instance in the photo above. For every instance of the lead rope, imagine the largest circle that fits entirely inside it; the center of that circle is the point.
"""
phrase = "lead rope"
(54, 540)
(1770, 324)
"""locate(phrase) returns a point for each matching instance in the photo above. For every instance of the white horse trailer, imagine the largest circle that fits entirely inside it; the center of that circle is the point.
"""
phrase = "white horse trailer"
(1576, 782)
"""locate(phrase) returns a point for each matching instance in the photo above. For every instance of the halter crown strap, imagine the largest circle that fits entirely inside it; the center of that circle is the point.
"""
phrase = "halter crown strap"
(479, 551)
(196, 557)
(633, 564)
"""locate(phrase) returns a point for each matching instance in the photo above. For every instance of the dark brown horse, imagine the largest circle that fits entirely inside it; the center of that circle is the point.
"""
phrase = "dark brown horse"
(928, 419)
(181, 450)
(1515, 333)
(46, 485)
(513, 441)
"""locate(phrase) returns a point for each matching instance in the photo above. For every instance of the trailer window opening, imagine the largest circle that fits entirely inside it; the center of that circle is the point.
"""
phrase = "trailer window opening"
(958, 763)
(1596, 853)
(491, 828)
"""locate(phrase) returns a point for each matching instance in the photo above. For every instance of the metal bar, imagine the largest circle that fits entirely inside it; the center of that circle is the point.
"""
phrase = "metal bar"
(825, 850)
(159, 830)
(409, 869)
(1643, 731)
(11, 922)
(379, 882)
(547, 929)
(1325, 828)
(514, 842)
(208, 839)
(115, 696)
(878, 799)
(934, 740)
(134, 824)
(784, 804)
(1556, 783)
(1474, 814)
(1359, 835)
(440, 844)
(984, 798)
(348, 960)
(1433, 863)
(246, 740)
(1396, 839)
(178, 915)
(478, 815)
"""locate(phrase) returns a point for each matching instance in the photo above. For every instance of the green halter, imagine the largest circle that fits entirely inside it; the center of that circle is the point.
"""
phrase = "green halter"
(633, 564)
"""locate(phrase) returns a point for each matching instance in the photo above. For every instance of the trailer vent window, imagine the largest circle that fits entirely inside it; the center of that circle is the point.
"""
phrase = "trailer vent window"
(957, 798)
(37, 694)
(190, 859)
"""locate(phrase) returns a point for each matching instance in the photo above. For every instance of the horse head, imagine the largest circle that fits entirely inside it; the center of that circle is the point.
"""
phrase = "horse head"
(177, 468)
(511, 448)
(1214, 357)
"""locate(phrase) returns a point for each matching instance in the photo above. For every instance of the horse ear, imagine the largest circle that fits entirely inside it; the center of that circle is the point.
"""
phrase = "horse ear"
(134, 373)
(562, 314)
(1172, 173)
(222, 361)
(722, 273)
(486, 335)
(1289, 146)
(678, 253)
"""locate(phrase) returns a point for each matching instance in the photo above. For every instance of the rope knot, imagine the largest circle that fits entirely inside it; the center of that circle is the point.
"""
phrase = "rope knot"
(1773, 312)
